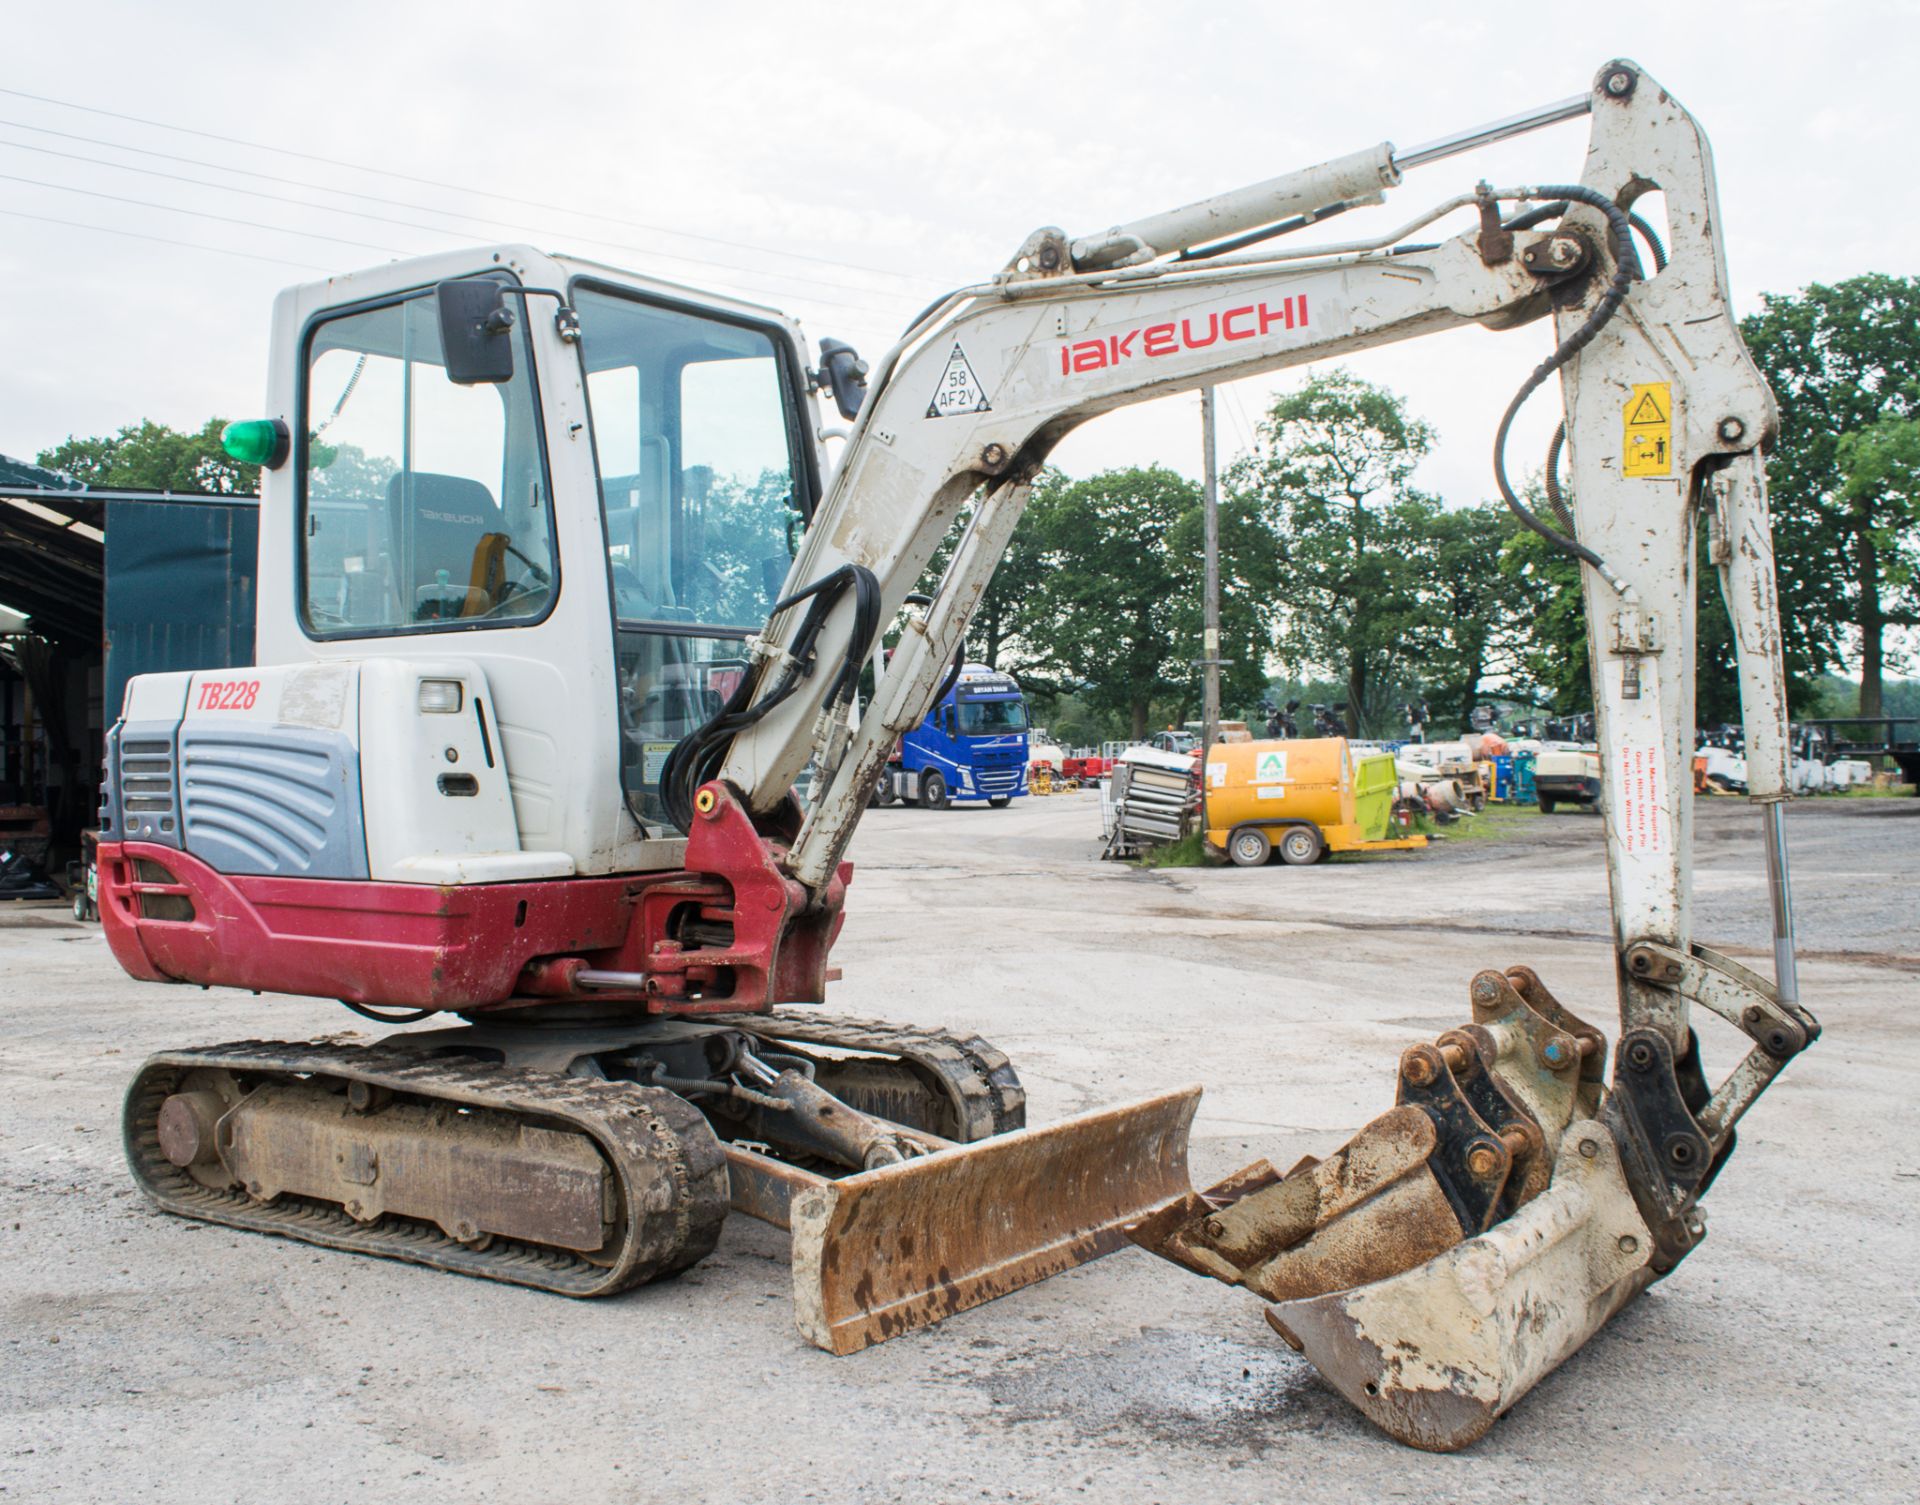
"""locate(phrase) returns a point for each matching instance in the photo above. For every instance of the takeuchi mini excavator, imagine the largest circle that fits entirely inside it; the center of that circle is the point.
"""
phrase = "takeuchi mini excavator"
(559, 600)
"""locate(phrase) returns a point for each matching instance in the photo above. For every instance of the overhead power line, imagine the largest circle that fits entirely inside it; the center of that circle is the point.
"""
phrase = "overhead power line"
(190, 245)
(506, 198)
(225, 219)
(280, 198)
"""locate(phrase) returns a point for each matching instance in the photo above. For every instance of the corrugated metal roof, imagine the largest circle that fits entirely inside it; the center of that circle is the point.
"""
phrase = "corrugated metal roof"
(19, 473)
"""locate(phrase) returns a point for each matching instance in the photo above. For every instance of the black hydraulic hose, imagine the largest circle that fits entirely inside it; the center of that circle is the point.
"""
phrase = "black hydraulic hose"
(1560, 508)
(1658, 251)
(1553, 211)
(1659, 254)
(1544, 212)
(698, 757)
(1536, 216)
(826, 593)
(405, 1016)
(1620, 237)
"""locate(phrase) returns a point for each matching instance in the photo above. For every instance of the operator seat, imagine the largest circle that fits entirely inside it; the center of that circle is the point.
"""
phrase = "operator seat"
(459, 552)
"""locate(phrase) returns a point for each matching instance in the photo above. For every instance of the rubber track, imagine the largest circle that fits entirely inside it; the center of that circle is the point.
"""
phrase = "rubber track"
(979, 1079)
(642, 1131)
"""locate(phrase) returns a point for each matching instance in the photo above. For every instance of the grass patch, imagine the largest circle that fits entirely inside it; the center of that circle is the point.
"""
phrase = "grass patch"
(1189, 851)
(1496, 822)
(1868, 792)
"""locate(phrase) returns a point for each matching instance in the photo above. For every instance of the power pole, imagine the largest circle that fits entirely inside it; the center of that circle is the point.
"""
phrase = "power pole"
(1210, 641)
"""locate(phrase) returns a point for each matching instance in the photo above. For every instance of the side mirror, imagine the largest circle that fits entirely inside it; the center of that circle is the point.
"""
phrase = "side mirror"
(845, 375)
(475, 331)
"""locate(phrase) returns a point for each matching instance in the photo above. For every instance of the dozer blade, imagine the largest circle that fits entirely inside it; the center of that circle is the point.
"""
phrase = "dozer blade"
(884, 1251)
(1435, 1355)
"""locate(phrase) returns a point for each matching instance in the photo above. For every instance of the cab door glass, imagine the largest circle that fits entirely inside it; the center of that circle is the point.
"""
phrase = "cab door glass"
(741, 522)
(424, 504)
(693, 431)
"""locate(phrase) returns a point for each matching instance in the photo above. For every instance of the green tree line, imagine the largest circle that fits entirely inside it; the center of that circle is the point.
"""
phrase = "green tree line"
(1340, 576)
(1354, 585)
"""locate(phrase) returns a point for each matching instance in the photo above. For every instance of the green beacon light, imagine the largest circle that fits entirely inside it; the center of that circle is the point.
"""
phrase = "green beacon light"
(257, 441)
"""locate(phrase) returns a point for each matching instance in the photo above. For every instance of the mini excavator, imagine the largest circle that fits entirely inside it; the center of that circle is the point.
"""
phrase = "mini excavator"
(559, 604)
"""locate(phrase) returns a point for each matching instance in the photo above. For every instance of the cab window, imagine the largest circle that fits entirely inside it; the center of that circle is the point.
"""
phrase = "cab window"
(693, 428)
(696, 466)
(425, 505)
(979, 718)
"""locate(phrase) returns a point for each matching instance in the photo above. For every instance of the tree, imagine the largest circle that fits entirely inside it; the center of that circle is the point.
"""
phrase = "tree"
(149, 456)
(1464, 625)
(1331, 477)
(1549, 627)
(1881, 466)
(1113, 611)
(1843, 360)
(346, 471)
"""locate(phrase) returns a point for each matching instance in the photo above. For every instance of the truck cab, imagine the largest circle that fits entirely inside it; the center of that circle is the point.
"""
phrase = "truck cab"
(971, 749)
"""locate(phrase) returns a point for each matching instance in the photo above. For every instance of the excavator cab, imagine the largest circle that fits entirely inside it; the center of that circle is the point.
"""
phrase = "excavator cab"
(430, 499)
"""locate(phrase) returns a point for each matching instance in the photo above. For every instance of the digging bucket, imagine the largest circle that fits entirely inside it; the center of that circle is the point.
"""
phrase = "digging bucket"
(1435, 1355)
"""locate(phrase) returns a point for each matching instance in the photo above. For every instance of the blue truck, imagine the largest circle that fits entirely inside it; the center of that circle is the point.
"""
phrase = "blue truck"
(971, 749)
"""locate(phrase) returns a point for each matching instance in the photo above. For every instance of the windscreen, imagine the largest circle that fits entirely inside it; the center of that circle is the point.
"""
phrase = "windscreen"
(693, 431)
(980, 718)
(425, 504)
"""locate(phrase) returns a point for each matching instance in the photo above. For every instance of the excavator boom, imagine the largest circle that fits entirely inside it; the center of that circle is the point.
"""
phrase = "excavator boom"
(1472, 1238)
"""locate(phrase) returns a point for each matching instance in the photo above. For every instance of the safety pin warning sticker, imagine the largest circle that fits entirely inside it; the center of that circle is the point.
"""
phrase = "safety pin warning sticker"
(1646, 443)
(960, 391)
(1643, 825)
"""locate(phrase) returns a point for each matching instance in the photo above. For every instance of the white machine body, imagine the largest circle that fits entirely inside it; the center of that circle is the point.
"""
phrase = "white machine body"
(553, 682)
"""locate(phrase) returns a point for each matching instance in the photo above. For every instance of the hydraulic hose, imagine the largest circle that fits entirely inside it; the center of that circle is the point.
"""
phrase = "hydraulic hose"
(1558, 501)
(1659, 254)
(403, 1016)
(1654, 248)
(701, 754)
(1620, 238)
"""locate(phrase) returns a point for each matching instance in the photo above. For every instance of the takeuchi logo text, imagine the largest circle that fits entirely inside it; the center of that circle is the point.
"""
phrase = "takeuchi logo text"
(1245, 323)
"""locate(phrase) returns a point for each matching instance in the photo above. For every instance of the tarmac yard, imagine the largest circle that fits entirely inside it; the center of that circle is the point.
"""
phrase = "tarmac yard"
(150, 1358)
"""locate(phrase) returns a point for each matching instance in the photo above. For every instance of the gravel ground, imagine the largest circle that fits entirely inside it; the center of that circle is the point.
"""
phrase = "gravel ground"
(150, 1358)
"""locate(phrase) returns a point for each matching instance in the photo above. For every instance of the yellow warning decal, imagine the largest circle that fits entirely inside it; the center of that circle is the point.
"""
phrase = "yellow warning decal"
(1646, 444)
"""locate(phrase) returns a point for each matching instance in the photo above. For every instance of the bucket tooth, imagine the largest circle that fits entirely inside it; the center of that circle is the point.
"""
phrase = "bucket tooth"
(1434, 1355)
(885, 1251)
(1369, 1210)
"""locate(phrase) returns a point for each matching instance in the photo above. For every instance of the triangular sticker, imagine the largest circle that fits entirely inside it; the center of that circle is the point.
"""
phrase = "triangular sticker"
(960, 391)
(1646, 411)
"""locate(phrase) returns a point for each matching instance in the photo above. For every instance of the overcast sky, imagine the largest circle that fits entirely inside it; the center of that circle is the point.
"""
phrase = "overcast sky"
(846, 163)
